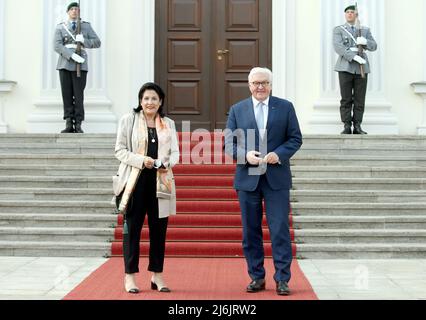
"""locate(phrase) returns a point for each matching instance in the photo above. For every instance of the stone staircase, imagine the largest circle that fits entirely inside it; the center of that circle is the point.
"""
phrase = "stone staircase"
(353, 197)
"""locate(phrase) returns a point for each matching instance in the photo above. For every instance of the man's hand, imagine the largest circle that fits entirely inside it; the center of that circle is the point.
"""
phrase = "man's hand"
(361, 41)
(253, 159)
(149, 162)
(271, 158)
(360, 60)
(79, 38)
(77, 58)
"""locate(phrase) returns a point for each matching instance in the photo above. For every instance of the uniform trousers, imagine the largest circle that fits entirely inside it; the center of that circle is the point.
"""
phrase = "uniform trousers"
(73, 94)
(353, 89)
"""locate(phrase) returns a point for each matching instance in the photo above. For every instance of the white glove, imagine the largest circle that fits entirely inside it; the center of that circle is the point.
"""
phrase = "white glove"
(79, 38)
(360, 60)
(361, 41)
(77, 58)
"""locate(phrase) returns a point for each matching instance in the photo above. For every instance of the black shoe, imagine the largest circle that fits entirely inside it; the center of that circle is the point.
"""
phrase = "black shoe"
(78, 127)
(256, 286)
(282, 288)
(358, 130)
(155, 287)
(347, 129)
(68, 126)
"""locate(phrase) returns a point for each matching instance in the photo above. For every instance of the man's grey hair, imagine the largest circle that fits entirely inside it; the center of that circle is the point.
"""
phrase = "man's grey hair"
(264, 71)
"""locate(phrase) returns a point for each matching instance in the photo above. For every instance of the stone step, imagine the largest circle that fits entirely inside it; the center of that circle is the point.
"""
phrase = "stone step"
(297, 160)
(58, 170)
(362, 251)
(346, 236)
(306, 149)
(356, 172)
(64, 220)
(356, 209)
(84, 207)
(55, 249)
(357, 160)
(47, 148)
(297, 196)
(57, 234)
(359, 184)
(298, 171)
(101, 182)
(371, 222)
(358, 196)
(350, 140)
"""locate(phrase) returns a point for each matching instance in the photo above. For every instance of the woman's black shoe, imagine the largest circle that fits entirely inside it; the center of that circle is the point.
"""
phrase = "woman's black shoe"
(155, 287)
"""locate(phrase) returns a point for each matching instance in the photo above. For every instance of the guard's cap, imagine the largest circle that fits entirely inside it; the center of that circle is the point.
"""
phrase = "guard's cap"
(350, 8)
(72, 5)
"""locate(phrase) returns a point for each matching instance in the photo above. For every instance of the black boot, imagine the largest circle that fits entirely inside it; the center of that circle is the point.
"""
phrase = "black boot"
(348, 129)
(68, 127)
(358, 130)
(78, 127)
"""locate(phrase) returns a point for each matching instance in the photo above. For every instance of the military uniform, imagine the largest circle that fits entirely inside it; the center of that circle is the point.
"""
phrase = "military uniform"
(353, 87)
(65, 45)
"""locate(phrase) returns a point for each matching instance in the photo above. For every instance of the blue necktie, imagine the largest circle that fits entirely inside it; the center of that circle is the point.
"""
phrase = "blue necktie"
(74, 26)
(260, 119)
(353, 29)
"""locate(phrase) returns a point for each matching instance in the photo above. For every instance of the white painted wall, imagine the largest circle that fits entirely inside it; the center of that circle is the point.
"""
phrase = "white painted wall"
(129, 56)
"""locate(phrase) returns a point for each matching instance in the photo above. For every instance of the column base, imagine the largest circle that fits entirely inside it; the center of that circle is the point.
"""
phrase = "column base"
(378, 119)
(421, 131)
(3, 127)
(48, 118)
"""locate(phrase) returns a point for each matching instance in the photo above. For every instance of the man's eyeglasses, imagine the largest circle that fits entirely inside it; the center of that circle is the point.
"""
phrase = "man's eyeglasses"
(258, 84)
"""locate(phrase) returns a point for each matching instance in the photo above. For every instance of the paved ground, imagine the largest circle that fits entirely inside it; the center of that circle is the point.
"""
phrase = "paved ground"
(52, 278)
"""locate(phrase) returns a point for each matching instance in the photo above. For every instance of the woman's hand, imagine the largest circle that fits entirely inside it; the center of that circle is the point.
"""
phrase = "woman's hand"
(148, 162)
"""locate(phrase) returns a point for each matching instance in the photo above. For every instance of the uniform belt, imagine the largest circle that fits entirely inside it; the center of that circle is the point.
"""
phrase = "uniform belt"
(354, 49)
(72, 46)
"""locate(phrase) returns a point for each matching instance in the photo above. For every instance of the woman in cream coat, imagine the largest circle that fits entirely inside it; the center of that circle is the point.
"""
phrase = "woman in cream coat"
(147, 147)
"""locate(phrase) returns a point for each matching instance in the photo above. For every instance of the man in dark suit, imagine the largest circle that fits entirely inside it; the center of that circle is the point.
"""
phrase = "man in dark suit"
(262, 135)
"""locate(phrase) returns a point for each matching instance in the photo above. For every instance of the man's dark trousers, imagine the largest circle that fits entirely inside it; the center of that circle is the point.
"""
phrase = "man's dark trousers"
(277, 207)
(353, 89)
(73, 94)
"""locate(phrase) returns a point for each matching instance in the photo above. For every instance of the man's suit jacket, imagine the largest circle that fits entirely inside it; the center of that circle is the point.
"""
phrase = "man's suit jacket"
(283, 137)
(344, 45)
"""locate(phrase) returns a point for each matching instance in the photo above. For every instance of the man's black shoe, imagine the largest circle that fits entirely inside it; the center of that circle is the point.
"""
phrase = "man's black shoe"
(358, 130)
(256, 286)
(68, 127)
(282, 288)
(78, 127)
(347, 129)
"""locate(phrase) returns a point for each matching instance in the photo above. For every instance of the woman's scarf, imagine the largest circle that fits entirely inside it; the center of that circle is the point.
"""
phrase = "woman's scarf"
(164, 180)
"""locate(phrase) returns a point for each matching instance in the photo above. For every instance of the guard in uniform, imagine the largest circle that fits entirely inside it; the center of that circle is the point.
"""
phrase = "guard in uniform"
(65, 44)
(353, 87)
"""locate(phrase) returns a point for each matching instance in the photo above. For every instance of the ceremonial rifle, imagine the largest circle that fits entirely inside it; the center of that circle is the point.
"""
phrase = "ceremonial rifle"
(78, 50)
(360, 47)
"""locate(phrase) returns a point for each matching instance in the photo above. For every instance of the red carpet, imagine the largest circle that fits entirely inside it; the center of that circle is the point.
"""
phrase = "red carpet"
(190, 279)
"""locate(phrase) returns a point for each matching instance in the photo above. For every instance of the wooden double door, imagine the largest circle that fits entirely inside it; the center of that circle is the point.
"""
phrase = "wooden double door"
(204, 52)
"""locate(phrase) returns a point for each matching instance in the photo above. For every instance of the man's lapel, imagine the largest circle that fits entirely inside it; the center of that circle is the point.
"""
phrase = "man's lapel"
(272, 108)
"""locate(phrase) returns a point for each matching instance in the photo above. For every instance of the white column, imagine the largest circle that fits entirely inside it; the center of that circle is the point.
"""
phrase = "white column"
(2, 34)
(49, 108)
(143, 50)
(284, 52)
(420, 87)
(378, 117)
(5, 86)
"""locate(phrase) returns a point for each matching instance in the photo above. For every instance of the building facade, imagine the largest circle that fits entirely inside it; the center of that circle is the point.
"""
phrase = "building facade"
(200, 51)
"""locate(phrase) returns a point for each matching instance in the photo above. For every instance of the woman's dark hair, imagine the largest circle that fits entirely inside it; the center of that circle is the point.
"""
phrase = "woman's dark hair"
(155, 87)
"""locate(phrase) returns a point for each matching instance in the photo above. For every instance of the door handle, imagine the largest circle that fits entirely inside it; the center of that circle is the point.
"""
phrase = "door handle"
(221, 53)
